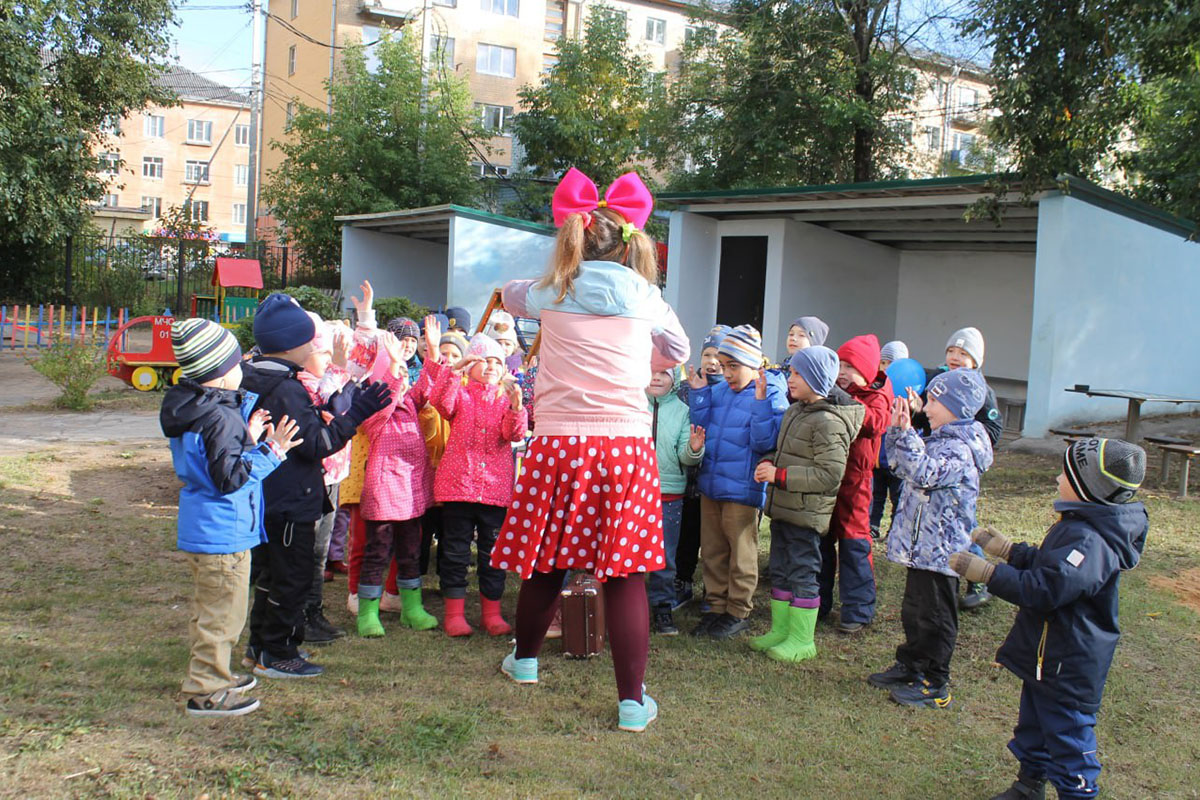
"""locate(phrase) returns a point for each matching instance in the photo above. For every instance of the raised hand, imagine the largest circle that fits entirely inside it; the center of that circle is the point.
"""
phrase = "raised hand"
(433, 336)
(510, 387)
(696, 440)
(914, 401)
(465, 363)
(258, 423)
(343, 343)
(900, 414)
(283, 435)
(760, 385)
(391, 345)
(368, 299)
(695, 379)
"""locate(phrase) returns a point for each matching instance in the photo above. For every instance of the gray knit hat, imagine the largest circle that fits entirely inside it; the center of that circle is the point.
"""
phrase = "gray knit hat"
(971, 340)
(893, 351)
(814, 328)
(1107, 471)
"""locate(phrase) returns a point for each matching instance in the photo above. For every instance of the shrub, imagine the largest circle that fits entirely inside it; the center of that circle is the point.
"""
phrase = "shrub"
(74, 368)
(388, 308)
(244, 333)
(313, 300)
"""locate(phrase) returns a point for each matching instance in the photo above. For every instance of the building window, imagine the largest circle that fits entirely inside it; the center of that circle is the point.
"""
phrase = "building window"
(492, 59)
(488, 170)
(196, 210)
(292, 60)
(441, 48)
(963, 146)
(556, 16)
(109, 162)
(549, 61)
(508, 8)
(153, 205)
(195, 172)
(241, 174)
(656, 30)
(154, 126)
(295, 8)
(289, 114)
(152, 167)
(239, 213)
(111, 125)
(933, 137)
(494, 118)
(623, 17)
(241, 135)
(199, 131)
(110, 200)
(689, 33)
(967, 99)
(446, 3)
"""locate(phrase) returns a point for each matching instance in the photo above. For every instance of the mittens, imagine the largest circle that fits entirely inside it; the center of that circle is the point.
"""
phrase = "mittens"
(993, 542)
(371, 398)
(972, 567)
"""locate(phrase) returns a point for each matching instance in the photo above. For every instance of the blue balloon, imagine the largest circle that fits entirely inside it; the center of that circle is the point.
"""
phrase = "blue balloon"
(905, 374)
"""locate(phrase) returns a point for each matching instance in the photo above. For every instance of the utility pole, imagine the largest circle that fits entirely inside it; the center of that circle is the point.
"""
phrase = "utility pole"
(256, 94)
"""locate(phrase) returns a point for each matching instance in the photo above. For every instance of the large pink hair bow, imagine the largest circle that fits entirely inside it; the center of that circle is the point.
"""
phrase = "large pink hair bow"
(577, 194)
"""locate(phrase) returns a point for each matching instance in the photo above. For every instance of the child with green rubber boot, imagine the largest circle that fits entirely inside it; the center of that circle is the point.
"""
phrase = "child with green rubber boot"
(803, 475)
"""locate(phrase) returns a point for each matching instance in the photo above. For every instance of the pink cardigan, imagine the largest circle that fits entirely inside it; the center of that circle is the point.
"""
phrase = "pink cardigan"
(478, 463)
(399, 479)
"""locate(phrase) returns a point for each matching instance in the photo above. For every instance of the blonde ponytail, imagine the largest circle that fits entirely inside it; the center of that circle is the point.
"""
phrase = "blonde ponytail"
(642, 257)
(601, 240)
(568, 252)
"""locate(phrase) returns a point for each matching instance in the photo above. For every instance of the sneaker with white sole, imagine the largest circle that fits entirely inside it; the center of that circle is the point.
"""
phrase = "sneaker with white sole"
(634, 716)
(225, 703)
(244, 683)
(298, 667)
(520, 670)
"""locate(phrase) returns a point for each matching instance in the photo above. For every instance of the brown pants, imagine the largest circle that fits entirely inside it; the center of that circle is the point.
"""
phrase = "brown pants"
(222, 591)
(729, 550)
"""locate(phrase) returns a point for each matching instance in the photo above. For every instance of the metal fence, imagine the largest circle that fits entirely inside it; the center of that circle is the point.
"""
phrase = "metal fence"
(154, 275)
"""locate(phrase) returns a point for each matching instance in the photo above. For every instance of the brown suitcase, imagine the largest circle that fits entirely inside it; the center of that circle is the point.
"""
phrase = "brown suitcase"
(582, 616)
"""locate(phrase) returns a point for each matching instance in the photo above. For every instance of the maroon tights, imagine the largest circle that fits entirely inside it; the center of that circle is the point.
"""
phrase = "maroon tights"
(625, 608)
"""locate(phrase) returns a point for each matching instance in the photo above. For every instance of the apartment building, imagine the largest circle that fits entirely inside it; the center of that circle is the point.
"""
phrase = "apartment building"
(196, 153)
(944, 123)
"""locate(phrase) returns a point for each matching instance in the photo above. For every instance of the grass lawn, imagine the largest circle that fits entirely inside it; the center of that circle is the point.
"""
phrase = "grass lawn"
(93, 616)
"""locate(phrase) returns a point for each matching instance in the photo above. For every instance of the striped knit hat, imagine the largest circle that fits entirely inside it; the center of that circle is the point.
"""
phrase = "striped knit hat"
(1107, 471)
(403, 326)
(205, 351)
(744, 345)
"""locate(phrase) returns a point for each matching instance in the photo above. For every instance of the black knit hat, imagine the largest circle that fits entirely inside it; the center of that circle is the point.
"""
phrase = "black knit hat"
(1107, 471)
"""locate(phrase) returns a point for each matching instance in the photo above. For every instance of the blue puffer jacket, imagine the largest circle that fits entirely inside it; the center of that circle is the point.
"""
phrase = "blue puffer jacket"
(222, 469)
(941, 487)
(739, 431)
(1065, 634)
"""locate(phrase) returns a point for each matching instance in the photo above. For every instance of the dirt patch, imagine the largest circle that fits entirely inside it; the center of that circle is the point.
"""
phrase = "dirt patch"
(1185, 586)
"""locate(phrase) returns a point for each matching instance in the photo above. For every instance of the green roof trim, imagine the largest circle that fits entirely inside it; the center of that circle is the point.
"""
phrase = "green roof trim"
(871, 186)
(500, 219)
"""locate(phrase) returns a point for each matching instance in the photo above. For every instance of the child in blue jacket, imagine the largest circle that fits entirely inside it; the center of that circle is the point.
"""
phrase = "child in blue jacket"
(221, 503)
(1062, 642)
(741, 420)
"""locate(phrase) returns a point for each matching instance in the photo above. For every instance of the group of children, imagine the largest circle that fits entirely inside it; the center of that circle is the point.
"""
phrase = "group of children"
(394, 434)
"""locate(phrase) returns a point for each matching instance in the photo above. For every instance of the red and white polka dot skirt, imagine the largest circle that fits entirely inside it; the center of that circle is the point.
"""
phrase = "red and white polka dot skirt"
(584, 502)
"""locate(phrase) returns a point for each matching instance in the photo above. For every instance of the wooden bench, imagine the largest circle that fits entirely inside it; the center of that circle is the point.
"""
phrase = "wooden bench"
(1073, 436)
(1165, 468)
(1186, 452)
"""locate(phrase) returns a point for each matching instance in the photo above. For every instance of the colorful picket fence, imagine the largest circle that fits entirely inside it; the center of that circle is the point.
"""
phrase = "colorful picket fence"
(30, 327)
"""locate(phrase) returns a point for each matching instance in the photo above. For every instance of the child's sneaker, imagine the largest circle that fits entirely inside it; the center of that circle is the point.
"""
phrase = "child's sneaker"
(352, 603)
(664, 622)
(896, 675)
(555, 629)
(683, 594)
(706, 622)
(520, 670)
(297, 667)
(244, 683)
(634, 716)
(250, 658)
(225, 703)
(922, 694)
(391, 603)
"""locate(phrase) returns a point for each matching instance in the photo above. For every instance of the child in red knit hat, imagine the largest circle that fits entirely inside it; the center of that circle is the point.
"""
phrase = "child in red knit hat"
(847, 548)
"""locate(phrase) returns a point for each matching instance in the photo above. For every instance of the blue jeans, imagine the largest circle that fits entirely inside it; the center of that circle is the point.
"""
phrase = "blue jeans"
(661, 584)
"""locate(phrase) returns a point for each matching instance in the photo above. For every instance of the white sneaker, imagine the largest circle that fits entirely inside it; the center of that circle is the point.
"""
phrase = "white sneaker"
(352, 604)
(390, 603)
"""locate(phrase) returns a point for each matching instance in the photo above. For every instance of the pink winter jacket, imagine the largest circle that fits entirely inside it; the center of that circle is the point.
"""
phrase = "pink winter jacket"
(399, 479)
(599, 348)
(477, 466)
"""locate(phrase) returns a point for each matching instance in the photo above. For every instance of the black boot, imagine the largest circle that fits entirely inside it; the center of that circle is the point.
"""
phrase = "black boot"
(1025, 787)
(318, 629)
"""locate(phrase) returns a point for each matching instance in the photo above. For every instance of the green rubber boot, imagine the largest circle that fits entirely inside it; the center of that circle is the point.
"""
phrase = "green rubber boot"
(369, 625)
(779, 627)
(412, 613)
(799, 644)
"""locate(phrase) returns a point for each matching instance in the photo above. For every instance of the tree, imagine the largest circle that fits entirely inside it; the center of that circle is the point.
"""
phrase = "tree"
(591, 109)
(774, 92)
(66, 67)
(395, 138)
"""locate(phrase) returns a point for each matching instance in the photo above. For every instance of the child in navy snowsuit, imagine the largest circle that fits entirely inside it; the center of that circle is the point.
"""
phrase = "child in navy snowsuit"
(1062, 642)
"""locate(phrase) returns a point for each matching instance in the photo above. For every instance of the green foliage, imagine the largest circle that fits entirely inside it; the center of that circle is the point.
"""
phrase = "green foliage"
(65, 68)
(389, 308)
(395, 139)
(592, 108)
(74, 367)
(314, 300)
(244, 332)
(785, 94)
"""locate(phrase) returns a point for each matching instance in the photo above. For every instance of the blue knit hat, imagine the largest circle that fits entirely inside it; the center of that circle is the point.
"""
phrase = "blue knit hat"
(715, 337)
(280, 324)
(442, 320)
(814, 328)
(962, 391)
(818, 365)
(744, 345)
(459, 318)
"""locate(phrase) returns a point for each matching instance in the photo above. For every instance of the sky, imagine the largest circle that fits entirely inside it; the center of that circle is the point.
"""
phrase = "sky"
(212, 38)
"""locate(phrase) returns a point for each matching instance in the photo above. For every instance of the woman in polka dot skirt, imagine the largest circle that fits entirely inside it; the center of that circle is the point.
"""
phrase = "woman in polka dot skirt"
(587, 496)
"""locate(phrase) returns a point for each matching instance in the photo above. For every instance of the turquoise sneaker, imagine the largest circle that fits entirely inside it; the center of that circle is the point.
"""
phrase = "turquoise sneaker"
(520, 670)
(636, 716)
